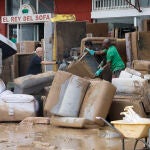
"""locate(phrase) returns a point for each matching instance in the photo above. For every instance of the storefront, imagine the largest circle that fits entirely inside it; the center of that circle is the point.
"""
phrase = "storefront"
(26, 18)
(80, 8)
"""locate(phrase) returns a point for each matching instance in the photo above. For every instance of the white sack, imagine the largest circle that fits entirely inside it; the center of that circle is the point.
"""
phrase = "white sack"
(129, 85)
(125, 74)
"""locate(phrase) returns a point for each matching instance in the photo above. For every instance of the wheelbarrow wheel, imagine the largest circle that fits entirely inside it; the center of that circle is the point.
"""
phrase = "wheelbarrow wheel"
(147, 146)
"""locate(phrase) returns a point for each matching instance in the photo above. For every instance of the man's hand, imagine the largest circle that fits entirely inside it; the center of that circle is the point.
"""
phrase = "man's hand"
(92, 52)
(98, 72)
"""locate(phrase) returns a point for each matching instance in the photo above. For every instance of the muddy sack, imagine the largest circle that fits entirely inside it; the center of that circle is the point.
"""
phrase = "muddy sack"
(53, 96)
(143, 65)
(16, 107)
(39, 81)
(97, 100)
(73, 97)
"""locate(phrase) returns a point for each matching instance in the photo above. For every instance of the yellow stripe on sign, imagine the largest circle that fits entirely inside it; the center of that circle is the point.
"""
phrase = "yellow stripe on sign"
(63, 17)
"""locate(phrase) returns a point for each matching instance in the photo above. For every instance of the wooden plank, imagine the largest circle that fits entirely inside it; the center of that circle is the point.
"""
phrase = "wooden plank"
(134, 45)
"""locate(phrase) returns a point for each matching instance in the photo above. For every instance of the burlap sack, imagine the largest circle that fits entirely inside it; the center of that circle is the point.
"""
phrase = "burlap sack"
(143, 65)
(97, 100)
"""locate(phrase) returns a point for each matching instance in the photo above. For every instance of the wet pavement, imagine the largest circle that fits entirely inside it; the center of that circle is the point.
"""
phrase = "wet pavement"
(46, 137)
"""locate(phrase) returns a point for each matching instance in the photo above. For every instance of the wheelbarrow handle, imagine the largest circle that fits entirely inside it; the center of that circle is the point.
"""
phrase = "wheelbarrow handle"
(110, 126)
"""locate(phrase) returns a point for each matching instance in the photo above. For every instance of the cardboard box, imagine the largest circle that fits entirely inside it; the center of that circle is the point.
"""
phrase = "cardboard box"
(120, 102)
(26, 47)
(86, 66)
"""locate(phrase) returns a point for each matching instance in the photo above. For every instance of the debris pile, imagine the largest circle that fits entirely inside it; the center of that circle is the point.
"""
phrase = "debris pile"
(76, 101)
(132, 89)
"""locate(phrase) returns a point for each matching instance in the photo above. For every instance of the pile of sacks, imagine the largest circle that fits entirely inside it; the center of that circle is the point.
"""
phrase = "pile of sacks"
(15, 107)
(132, 89)
(74, 101)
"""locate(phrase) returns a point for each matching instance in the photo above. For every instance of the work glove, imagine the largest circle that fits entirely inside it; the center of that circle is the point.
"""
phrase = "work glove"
(92, 52)
(98, 72)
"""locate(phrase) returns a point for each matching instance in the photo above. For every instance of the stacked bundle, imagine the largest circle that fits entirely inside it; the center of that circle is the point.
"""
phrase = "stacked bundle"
(142, 66)
(132, 89)
(15, 107)
(76, 102)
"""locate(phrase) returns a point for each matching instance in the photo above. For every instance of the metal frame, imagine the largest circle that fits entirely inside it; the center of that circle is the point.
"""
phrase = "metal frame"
(136, 7)
(146, 142)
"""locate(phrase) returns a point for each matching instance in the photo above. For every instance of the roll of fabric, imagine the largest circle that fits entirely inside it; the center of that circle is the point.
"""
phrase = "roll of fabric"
(97, 100)
(73, 97)
(54, 94)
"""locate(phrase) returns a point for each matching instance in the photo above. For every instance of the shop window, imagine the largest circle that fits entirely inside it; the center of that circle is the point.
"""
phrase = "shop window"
(46, 6)
(12, 30)
(12, 7)
(144, 3)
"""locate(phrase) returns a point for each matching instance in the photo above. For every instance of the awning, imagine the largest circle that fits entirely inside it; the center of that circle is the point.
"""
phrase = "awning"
(8, 47)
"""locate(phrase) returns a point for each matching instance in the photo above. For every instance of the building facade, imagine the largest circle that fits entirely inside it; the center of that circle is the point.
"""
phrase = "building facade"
(117, 13)
(2, 13)
(32, 29)
(81, 8)
(121, 13)
(25, 18)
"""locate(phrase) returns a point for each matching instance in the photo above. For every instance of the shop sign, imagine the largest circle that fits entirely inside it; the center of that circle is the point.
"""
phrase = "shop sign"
(26, 14)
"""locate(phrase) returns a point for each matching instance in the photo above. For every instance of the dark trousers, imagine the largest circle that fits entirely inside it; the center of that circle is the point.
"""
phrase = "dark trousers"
(117, 73)
(106, 74)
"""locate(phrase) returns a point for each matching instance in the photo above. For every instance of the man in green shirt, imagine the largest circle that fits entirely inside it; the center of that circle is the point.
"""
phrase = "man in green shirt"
(112, 57)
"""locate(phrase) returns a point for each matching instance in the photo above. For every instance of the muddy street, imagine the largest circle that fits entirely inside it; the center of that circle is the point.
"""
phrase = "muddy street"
(46, 137)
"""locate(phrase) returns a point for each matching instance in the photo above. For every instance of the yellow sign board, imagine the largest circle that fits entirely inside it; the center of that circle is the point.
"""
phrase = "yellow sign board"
(63, 17)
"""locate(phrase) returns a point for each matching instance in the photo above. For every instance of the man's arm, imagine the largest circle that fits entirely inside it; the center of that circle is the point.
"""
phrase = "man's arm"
(44, 62)
(100, 52)
(99, 71)
(107, 64)
(92, 52)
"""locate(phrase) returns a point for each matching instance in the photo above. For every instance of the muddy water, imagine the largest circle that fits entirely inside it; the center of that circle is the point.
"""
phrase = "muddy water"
(47, 137)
